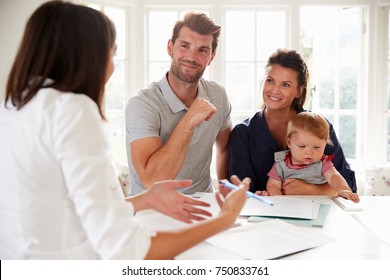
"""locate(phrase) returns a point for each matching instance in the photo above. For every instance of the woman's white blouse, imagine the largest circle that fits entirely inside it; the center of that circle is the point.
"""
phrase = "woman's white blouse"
(59, 195)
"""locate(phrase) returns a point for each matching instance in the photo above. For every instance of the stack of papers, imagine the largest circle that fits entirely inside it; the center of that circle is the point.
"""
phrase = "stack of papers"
(298, 211)
(268, 240)
(283, 207)
(314, 222)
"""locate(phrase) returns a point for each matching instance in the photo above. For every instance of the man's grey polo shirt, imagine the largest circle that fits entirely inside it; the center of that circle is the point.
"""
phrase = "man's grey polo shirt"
(155, 112)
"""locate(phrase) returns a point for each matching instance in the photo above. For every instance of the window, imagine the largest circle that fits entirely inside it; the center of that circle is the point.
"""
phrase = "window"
(157, 39)
(248, 41)
(117, 85)
(335, 41)
(331, 42)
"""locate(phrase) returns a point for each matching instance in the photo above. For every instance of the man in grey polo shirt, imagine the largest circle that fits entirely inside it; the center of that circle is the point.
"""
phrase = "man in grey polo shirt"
(172, 124)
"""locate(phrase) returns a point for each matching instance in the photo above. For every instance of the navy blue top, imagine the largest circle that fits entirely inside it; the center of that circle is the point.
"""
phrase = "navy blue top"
(252, 148)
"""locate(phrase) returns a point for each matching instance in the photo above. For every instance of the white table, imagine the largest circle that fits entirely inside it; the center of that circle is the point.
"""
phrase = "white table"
(352, 240)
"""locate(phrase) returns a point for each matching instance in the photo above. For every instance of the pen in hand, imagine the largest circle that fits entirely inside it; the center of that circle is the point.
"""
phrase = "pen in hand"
(231, 186)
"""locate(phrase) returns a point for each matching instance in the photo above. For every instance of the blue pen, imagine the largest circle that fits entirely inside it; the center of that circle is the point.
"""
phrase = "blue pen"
(231, 186)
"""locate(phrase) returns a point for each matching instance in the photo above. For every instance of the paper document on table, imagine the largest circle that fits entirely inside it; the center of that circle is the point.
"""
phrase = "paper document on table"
(378, 227)
(268, 240)
(283, 206)
(316, 222)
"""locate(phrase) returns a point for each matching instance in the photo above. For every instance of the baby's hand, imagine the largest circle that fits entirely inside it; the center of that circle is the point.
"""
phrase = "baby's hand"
(263, 193)
(349, 195)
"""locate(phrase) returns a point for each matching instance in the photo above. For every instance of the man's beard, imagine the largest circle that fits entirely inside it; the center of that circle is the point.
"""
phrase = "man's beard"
(175, 69)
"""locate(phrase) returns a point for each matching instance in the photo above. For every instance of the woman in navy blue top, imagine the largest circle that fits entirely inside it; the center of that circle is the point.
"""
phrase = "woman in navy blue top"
(254, 141)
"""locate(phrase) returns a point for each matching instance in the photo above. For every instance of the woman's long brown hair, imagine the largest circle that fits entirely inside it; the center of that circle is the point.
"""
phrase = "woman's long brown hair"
(67, 43)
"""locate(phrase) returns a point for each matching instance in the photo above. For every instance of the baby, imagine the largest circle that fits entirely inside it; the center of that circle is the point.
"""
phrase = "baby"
(307, 136)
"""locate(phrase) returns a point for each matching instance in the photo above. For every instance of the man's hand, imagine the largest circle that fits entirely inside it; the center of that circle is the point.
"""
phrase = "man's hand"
(199, 111)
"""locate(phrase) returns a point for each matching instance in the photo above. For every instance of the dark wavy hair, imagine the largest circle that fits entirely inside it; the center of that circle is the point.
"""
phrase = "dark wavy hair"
(293, 60)
(200, 23)
(67, 43)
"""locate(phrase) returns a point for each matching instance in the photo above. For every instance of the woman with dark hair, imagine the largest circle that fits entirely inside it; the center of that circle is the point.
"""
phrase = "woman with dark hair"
(254, 142)
(59, 196)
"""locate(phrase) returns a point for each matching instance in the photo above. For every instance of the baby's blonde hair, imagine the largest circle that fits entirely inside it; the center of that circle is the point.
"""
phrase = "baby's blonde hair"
(309, 122)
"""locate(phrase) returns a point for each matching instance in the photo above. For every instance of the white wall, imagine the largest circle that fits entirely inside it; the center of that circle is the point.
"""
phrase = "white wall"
(13, 17)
